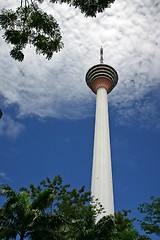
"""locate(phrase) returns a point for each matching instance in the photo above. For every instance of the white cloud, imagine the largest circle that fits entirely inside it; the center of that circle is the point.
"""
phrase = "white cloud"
(129, 32)
(10, 127)
(4, 176)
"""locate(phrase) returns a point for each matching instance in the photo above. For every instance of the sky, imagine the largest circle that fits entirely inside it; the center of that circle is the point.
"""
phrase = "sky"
(48, 123)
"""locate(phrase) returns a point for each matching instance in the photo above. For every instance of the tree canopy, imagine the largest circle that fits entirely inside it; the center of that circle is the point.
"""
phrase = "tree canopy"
(48, 211)
(54, 211)
(29, 24)
(151, 219)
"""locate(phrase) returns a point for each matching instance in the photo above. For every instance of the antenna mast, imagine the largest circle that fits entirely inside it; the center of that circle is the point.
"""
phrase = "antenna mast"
(101, 55)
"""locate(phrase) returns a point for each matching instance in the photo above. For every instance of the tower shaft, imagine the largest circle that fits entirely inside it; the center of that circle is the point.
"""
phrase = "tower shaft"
(102, 185)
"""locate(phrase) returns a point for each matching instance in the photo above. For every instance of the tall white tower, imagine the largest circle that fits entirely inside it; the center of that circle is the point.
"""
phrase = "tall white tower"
(102, 79)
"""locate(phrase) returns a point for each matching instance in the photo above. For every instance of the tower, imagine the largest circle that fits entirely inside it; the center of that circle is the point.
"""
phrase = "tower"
(102, 78)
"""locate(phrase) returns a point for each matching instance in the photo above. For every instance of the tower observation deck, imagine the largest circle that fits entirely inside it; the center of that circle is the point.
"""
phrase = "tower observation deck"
(101, 79)
(101, 75)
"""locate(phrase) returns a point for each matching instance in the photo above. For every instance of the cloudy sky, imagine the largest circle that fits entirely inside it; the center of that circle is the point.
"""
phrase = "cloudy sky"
(47, 103)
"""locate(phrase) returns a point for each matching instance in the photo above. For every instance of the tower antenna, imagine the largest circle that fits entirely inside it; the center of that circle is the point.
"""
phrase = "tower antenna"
(101, 54)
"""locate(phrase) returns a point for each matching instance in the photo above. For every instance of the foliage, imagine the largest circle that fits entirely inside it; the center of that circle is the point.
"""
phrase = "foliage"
(1, 113)
(28, 24)
(105, 228)
(88, 7)
(118, 227)
(54, 211)
(21, 216)
(125, 228)
(44, 212)
(151, 220)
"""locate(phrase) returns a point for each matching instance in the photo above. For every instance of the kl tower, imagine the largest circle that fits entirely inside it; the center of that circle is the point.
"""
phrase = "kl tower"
(101, 79)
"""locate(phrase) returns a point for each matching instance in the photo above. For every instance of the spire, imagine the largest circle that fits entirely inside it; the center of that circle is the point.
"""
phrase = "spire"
(101, 55)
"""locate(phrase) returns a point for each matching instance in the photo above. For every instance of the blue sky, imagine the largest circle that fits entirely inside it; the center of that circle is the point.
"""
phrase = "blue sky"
(48, 122)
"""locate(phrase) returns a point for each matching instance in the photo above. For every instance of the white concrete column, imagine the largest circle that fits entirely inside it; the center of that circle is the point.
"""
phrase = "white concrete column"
(102, 186)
